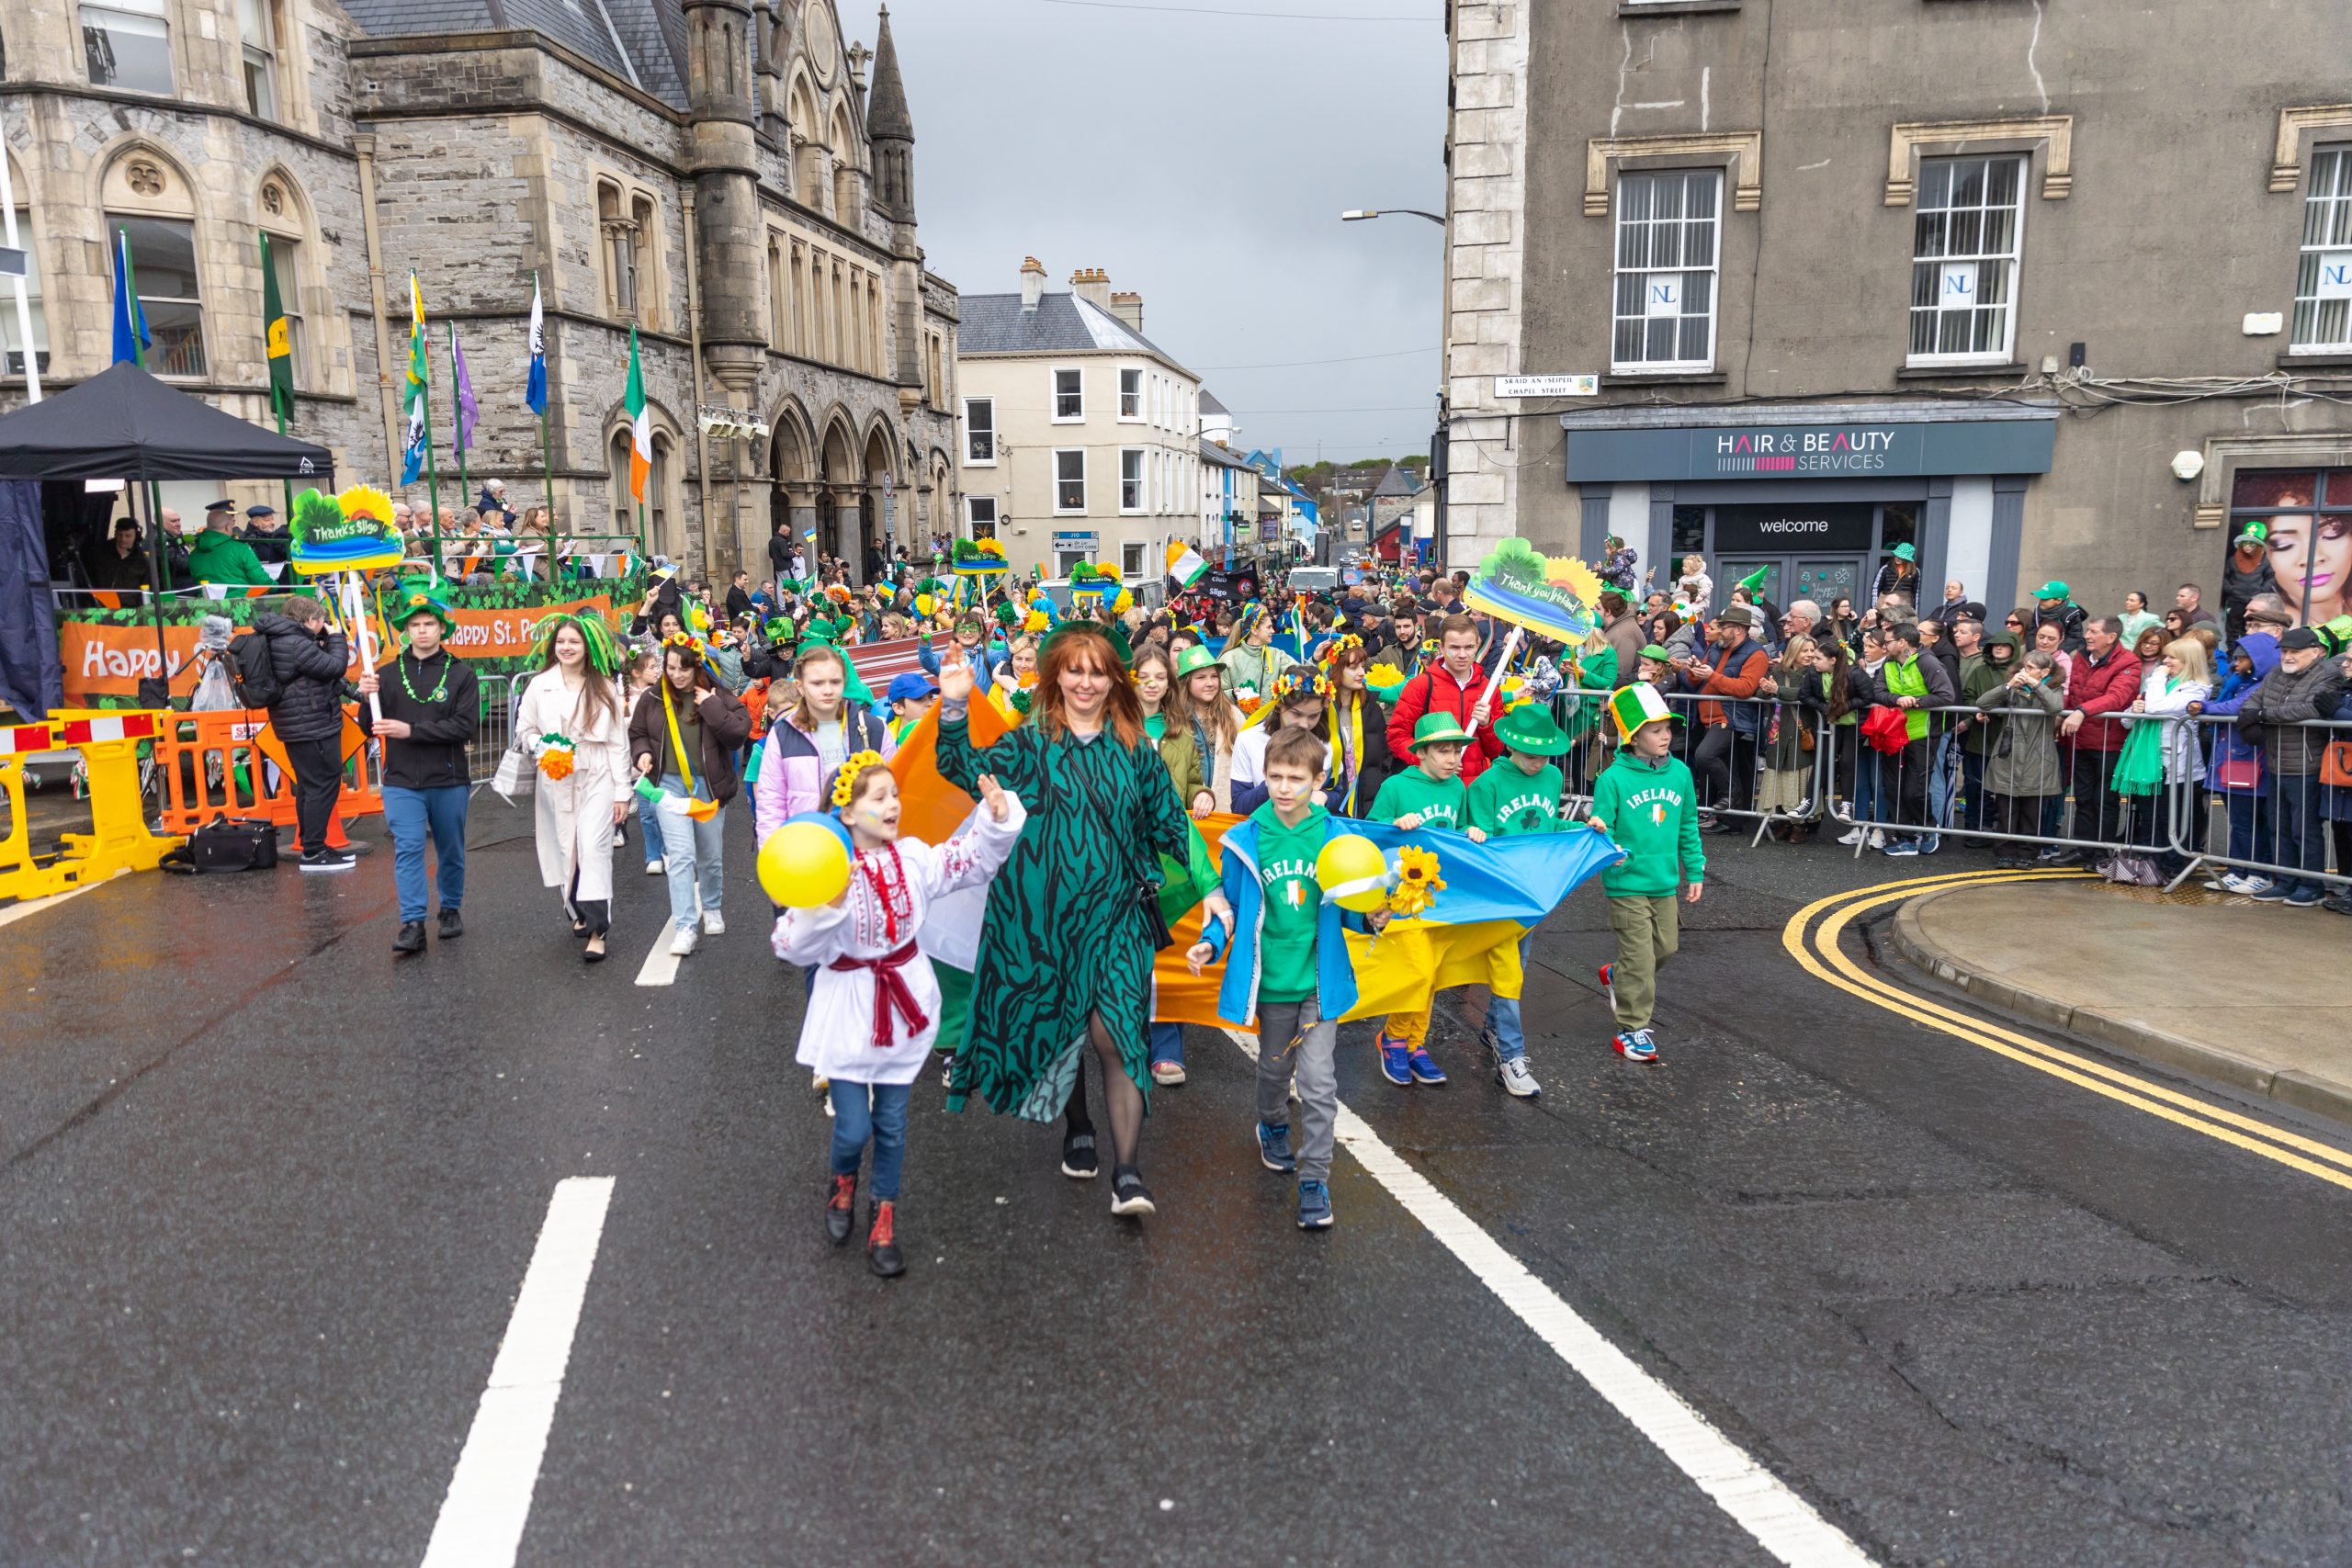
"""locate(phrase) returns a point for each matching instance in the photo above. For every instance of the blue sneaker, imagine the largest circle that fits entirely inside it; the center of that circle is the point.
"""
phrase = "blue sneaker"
(2272, 893)
(1635, 1045)
(2300, 898)
(1901, 847)
(1313, 1206)
(1425, 1069)
(1273, 1148)
(1393, 1065)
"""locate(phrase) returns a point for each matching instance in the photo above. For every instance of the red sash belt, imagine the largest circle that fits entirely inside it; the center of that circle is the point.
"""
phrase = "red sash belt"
(891, 994)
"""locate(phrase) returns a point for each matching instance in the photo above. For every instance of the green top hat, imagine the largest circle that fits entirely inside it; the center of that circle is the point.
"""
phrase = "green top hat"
(1432, 728)
(1904, 552)
(1635, 706)
(2053, 589)
(2255, 529)
(1529, 729)
(415, 599)
(1194, 658)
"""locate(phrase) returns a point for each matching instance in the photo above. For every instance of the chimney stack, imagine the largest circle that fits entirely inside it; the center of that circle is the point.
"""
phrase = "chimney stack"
(1092, 285)
(1128, 308)
(1033, 284)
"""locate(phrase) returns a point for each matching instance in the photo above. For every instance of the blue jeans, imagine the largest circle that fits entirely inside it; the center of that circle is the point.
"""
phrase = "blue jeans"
(691, 853)
(2249, 824)
(1502, 1012)
(646, 819)
(1866, 779)
(1167, 1044)
(410, 814)
(885, 1121)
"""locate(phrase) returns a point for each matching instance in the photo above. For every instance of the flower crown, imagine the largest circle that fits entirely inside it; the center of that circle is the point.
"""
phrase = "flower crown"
(845, 781)
(1338, 646)
(1301, 678)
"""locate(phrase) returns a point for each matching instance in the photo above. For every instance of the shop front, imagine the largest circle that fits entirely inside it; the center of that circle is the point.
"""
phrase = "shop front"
(1816, 499)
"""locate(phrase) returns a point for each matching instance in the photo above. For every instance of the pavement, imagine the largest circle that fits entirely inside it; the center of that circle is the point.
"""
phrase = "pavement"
(2254, 996)
(269, 1198)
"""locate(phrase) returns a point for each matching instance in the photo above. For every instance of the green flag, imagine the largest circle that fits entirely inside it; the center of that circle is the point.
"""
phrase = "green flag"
(281, 343)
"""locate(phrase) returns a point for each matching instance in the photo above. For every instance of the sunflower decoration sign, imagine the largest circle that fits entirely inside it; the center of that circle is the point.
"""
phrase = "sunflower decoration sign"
(350, 532)
(1091, 585)
(979, 558)
(1552, 596)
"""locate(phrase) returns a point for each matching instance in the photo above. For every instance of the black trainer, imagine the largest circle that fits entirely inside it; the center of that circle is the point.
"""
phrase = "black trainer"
(411, 938)
(326, 860)
(1078, 1157)
(451, 924)
(1129, 1196)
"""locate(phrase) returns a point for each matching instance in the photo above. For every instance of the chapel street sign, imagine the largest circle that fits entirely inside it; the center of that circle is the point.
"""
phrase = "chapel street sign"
(1823, 451)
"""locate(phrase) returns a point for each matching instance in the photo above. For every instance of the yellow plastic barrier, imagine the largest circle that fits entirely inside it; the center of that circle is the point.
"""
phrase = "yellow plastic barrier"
(118, 840)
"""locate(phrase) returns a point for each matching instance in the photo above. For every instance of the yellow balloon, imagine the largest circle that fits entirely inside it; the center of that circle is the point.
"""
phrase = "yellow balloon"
(1352, 857)
(803, 864)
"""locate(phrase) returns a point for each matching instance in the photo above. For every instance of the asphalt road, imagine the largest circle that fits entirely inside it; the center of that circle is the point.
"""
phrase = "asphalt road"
(268, 1197)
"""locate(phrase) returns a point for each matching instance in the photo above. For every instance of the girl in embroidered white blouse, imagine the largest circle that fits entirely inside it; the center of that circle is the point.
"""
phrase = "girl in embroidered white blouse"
(873, 1009)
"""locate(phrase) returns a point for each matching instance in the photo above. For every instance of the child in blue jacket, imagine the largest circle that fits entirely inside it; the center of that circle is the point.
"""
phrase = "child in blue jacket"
(1289, 968)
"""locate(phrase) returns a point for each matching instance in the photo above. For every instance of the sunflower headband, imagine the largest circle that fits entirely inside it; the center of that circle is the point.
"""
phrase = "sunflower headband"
(1338, 646)
(845, 781)
(1301, 680)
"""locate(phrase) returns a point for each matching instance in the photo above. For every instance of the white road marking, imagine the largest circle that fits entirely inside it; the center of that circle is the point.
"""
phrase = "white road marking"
(15, 912)
(660, 965)
(1783, 1523)
(489, 1496)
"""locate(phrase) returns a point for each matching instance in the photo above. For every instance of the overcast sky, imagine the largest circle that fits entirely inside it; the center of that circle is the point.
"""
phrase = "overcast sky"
(1202, 160)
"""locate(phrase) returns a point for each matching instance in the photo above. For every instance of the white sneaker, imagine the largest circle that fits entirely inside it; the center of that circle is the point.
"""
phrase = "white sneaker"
(1515, 1077)
(684, 940)
(1851, 838)
(654, 866)
(1877, 839)
(712, 925)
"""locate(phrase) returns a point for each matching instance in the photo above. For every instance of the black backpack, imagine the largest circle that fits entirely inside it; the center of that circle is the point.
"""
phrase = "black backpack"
(224, 844)
(251, 674)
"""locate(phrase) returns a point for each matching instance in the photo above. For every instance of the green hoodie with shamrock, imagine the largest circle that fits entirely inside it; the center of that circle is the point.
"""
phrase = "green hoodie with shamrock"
(1651, 809)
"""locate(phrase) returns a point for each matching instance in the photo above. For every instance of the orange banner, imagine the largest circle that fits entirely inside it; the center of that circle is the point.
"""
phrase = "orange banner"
(507, 633)
(110, 660)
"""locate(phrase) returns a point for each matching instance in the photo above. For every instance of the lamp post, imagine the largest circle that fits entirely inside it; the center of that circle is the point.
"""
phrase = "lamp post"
(1438, 439)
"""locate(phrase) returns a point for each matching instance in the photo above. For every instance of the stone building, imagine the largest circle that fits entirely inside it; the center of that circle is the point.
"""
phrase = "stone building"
(1081, 435)
(734, 180)
(2044, 290)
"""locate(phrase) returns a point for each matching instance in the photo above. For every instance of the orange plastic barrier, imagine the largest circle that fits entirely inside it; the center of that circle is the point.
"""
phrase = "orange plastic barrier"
(218, 764)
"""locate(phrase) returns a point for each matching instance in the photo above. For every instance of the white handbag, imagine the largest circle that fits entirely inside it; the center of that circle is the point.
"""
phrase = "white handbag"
(518, 774)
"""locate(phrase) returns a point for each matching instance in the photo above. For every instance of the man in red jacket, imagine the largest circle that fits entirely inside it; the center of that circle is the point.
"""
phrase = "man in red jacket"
(2104, 682)
(1454, 684)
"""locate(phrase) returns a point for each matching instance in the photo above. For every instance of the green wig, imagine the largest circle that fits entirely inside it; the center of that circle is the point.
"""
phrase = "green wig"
(603, 657)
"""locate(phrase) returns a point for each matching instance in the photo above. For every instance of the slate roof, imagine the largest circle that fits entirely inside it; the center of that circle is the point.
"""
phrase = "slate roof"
(1398, 480)
(1222, 456)
(652, 32)
(1062, 323)
(1209, 403)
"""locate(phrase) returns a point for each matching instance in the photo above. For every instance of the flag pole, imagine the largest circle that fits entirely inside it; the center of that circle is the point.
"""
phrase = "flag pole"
(277, 403)
(432, 479)
(547, 456)
(161, 562)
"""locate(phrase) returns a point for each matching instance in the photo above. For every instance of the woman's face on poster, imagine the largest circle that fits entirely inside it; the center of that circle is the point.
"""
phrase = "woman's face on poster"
(2312, 575)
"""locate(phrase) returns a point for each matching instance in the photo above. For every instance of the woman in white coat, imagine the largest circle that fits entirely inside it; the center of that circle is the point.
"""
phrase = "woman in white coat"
(571, 720)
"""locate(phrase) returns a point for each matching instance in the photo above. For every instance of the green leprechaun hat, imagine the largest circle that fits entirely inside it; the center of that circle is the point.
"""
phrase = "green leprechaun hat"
(417, 597)
(1635, 706)
(1529, 729)
(1432, 728)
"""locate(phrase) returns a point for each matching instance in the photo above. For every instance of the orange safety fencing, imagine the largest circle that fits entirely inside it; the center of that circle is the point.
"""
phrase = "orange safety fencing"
(230, 763)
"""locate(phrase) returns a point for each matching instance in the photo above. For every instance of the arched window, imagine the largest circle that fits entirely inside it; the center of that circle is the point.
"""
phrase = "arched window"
(845, 154)
(656, 500)
(624, 505)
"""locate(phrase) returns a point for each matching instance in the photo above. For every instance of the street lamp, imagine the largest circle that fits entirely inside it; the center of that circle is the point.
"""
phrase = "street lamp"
(1358, 214)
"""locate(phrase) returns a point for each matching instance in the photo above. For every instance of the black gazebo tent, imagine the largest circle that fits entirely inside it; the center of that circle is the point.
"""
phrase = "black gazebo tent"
(123, 423)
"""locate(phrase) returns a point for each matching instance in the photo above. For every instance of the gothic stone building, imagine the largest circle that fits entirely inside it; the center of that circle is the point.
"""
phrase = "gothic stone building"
(730, 177)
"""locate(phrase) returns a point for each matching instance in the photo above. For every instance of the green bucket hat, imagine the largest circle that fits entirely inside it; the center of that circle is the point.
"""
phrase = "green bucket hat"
(2053, 589)
(1529, 729)
(1432, 727)
(1904, 552)
(418, 598)
(1192, 659)
(1658, 651)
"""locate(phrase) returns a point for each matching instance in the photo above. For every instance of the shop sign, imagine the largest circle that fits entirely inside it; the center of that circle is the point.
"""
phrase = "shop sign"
(1821, 529)
(1841, 450)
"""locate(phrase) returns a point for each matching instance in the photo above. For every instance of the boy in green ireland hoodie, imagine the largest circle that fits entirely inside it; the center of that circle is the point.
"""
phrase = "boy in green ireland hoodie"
(1645, 801)
(1519, 795)
(1430, 793)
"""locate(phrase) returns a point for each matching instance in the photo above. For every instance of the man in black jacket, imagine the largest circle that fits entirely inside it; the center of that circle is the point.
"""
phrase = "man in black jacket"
(431, 708)
(308, 660)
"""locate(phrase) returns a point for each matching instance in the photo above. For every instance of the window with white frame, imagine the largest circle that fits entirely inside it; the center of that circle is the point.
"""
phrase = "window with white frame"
(1668, 243)
(257, 34)
(2324, 277)
(10, 343)
(1131, 496)
(1130, 394)
(979, 513)
(980, 432)
(1069, 479)
(162, 260)
(1131, 561)
(1070, 394)
(282, 253)
(128, 44)
(1964, 258)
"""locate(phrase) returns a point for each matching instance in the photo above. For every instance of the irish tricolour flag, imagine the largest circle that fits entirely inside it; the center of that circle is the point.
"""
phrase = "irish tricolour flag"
(640, 425)
(1184, 564)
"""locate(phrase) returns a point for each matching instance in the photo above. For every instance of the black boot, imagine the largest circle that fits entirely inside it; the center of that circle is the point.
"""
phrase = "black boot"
(411, 938)
(451, 925)
(882, 1241)
(840, 1209)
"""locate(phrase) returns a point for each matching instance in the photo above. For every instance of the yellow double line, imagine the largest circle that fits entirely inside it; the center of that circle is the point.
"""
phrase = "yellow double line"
(1816, 949)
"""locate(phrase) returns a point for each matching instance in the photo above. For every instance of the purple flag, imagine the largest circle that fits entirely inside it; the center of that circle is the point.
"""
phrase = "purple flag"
(468, 412)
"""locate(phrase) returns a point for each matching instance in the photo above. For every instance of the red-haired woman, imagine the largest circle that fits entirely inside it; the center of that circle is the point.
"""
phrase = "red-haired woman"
(1063, 969)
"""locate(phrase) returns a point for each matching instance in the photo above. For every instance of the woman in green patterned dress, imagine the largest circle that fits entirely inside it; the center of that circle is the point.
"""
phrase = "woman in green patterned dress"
(1066, 953)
